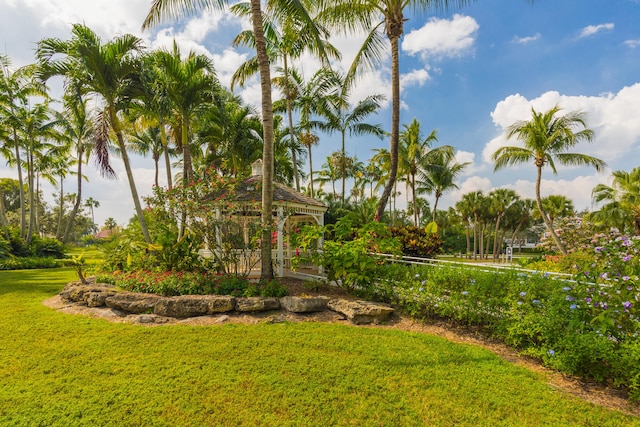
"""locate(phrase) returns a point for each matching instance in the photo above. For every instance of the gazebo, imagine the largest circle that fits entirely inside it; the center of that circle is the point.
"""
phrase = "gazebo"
(290, 208)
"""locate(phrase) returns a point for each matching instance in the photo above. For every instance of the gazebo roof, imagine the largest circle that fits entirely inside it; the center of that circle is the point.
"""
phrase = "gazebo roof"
(250, 190)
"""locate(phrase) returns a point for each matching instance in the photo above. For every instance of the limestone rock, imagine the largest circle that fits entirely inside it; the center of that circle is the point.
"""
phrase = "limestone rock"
(304, 304)
(76, 291)
(96, 298)
(257, 304)
(133, 302)
(361, 312)
(194, 305)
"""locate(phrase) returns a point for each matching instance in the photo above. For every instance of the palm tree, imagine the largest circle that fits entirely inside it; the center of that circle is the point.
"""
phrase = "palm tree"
(311, 97)
(15, 89)
(502, 199)
(177, 8)
(439, 176)
(414, 156)
(557, 206)
(112, 72)
(338, 116)
(287, 39)
(92, 203)
(77, 127)
(546, 139)
(523, 211)
(190, 85)
(373, 17)
(622, 207)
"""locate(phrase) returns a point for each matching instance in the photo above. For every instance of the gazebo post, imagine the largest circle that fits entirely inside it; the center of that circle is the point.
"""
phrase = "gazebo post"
(280, 258)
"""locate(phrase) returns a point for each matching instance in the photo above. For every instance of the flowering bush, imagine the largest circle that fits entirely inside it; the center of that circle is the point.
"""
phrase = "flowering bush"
(171, 283)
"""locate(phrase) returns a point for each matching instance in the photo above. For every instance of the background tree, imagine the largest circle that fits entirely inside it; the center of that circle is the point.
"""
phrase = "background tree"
(621, 208)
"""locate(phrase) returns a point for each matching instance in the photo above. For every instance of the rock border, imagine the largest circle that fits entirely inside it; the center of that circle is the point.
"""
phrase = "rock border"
(155, 309)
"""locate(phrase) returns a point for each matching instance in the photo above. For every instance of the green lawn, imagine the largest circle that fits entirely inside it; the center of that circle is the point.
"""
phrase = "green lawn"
(65, 370)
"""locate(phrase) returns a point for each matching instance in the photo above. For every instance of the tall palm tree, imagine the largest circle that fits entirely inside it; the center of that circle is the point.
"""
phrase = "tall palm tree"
(374, 17)
(439, 176)
(177, 8)
(622, 201)
(16, 88)
(546, 139)
(110, 71)
(77, 126)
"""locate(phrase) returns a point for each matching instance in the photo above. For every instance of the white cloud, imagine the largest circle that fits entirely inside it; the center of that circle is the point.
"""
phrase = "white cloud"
(442, 38)
(593, 29)
(613, 118)
(414, 78)
(473, 167)
(632, 43)
(525, 40)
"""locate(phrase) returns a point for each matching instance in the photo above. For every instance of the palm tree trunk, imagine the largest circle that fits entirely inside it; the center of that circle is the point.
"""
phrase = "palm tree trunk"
(495, 239)
(466, 229)
(60, 208)
(415, 203)
(545, 218)
(342, 165)
(165, 150)
(294, 157)
(475, 237)
(310, 170)
(132, 184)
(4, 223)
(267, 153)
(395, 123)
(32, 198)
(76, 206)
(23, 210)
(435, 207)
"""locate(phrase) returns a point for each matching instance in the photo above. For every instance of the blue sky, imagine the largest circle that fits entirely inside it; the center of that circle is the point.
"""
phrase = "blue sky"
(469, 73)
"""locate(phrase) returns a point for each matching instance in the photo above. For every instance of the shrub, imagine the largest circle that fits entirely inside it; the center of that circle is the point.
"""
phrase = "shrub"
(417, 242)
(27, 263)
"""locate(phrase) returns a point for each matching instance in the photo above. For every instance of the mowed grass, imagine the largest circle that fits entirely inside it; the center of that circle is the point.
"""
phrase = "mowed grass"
(65, 370)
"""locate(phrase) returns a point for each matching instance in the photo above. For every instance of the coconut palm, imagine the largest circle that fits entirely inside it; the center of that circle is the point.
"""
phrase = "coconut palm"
(439, 175)
(622, 201)
(110, 71)
(546, 139)
(375, 17)
(178, 8)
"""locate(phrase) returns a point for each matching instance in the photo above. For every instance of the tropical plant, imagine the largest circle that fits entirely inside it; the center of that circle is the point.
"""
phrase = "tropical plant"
(110, 71)
(621, 199)
(546, 139)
